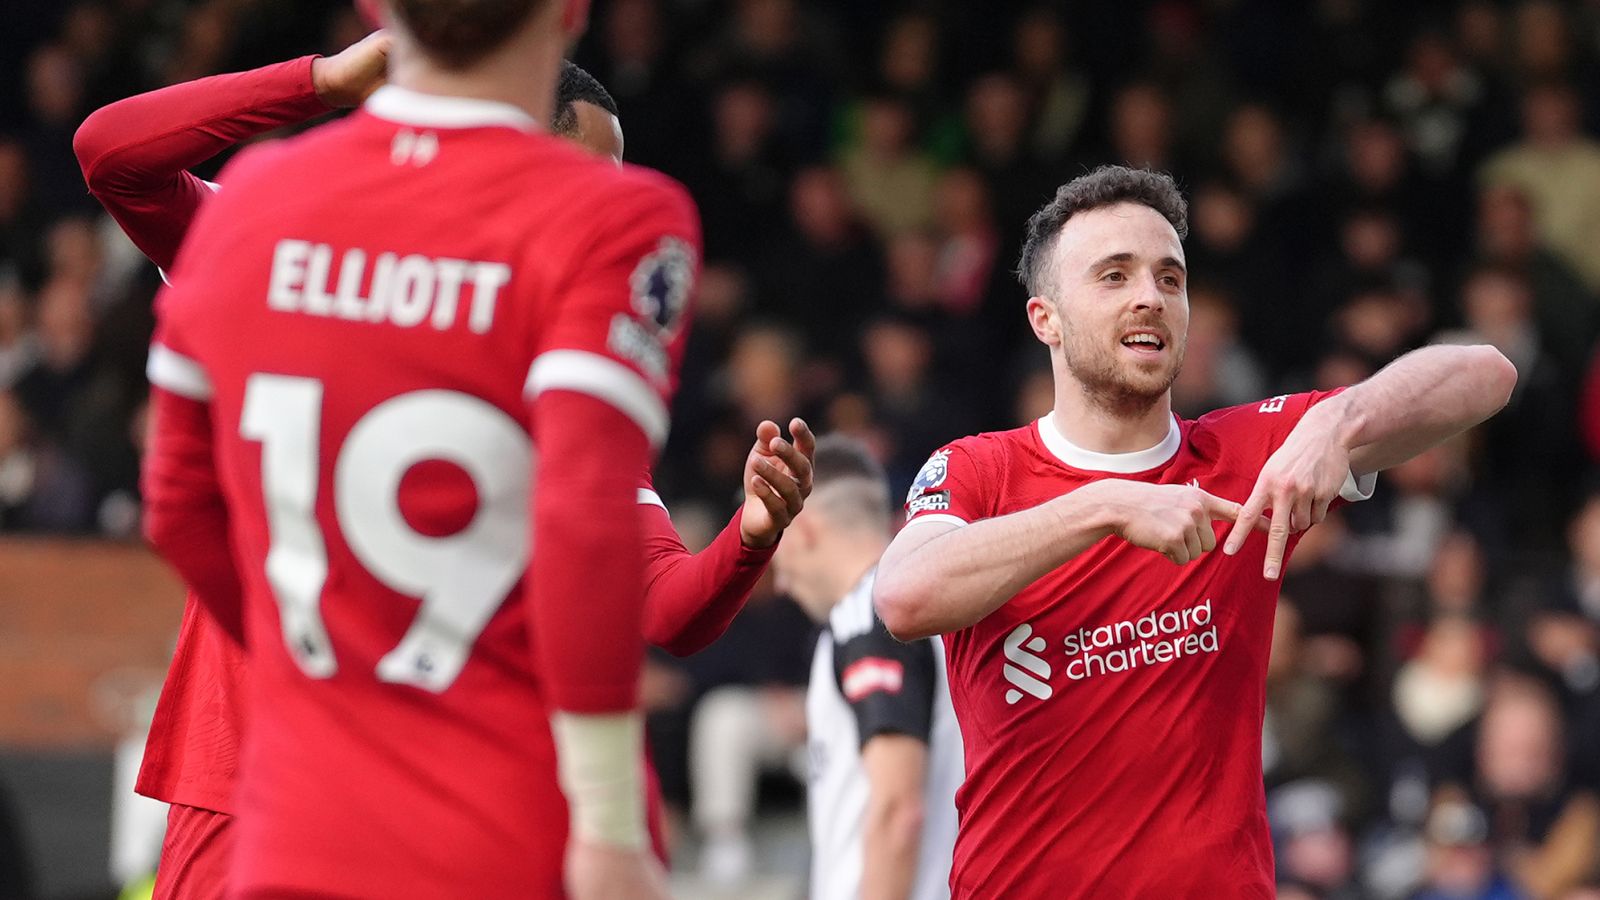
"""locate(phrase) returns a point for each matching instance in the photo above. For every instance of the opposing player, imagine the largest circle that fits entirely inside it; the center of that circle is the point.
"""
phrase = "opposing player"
(135, 155)
(1111, 697)
(885, 750)
(351, 378)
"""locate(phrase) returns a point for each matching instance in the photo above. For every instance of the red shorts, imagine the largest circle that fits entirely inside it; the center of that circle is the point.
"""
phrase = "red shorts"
(195, 855)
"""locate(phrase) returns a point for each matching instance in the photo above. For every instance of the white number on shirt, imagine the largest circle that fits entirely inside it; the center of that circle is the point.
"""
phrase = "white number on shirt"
(460, 578)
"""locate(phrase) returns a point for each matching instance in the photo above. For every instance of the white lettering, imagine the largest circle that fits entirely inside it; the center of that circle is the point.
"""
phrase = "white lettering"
(1156, 638)
(487, 280)
(404, 291)
(288, 274)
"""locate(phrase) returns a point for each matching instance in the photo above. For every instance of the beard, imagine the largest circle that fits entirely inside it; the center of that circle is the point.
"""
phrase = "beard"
(1114, 384)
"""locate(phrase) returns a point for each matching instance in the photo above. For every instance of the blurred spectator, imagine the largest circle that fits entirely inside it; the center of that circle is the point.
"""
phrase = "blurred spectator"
(1566, 312)
(824, 273)
(1559, 169)
(740, 182)
(998, 147)
(1058, 95)
(1315, 851)
(1300, 745)
(18, 349)
(1218, 369)
(55, 102)
(1546, 831)
(1460, 861)
(890, 179)
(1535, 498)
(1438, 101)
(1141, 128)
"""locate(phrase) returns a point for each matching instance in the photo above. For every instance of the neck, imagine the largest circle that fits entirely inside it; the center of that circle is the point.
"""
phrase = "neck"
(1093, 424)
(851, 566)
(523, 72)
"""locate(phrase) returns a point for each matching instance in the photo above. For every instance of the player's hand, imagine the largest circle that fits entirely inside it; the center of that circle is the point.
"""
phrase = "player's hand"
(1172, 519)
(601, 872)
(1297, 484)
(777, 481)
(347, 77)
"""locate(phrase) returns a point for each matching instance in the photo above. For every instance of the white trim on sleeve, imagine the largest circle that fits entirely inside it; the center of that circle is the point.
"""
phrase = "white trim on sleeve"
(648, 497)
(177, 373)
(941, 518)
(1357, 489)
(602, 378)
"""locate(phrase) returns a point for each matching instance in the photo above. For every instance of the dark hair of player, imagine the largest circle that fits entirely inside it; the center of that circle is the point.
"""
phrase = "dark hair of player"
(1105, 186)
(457, 33)
(849, 483)
(577, 86)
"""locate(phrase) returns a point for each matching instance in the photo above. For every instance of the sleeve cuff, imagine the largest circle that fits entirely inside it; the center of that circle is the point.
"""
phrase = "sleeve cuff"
(942, 518)
(1360, 488)
(174, 372)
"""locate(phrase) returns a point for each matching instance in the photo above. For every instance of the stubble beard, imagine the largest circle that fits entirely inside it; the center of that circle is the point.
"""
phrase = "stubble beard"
(1121, 391)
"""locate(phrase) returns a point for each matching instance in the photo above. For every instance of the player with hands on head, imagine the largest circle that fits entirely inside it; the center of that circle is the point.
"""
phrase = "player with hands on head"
(135, 156)
(345, 462)
(1128, 686)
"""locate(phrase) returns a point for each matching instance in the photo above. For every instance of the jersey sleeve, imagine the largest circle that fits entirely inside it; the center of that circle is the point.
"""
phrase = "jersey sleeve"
(598, 387)
(691, 598)
(952, 487)
(619, 330)
(1270, 422)
(888, 685)
(135, 153)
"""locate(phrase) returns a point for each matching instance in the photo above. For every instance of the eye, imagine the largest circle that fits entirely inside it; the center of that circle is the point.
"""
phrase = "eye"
(1171, 280)
(1113, 276)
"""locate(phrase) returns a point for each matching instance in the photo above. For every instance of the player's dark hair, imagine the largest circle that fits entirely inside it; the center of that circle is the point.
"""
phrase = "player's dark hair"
(1105, 186)
(844, 462)
(577, 86)
(840, 457)
(457, 33)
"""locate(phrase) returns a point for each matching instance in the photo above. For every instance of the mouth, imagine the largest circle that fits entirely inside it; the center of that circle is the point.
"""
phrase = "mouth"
(1144, 342)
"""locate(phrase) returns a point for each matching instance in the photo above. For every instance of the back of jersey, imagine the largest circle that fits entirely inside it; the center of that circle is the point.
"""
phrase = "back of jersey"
(370, 311)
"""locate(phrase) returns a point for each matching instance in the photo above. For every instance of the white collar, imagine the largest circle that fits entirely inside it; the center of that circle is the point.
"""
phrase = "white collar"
(1120, 463)
(408, 107)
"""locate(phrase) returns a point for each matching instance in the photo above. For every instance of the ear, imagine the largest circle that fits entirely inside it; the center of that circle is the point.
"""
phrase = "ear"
(1045, 320)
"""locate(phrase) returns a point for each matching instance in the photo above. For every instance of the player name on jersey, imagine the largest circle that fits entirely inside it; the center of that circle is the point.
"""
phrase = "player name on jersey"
(402, 290)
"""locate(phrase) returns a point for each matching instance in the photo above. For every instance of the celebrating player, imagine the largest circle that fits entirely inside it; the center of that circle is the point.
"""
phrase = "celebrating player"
(1110, 699)
(885, 749)
(350, 379)
(135, 154)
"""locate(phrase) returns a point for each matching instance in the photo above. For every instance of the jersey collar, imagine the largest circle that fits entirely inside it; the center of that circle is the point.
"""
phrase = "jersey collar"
(1119, 463)
(407, 107)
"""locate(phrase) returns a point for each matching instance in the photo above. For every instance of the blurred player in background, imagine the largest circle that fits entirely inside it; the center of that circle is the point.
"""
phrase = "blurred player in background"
(135, 155)
(1111, 701)
(366, 436)
(884, 746)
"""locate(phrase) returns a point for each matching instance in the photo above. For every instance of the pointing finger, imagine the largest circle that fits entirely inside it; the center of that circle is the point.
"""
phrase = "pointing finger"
(1277, 540)
(1248, 514)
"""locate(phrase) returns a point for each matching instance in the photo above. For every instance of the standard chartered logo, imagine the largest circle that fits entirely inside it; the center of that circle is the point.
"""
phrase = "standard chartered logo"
(1025, 668)
(1157, 638)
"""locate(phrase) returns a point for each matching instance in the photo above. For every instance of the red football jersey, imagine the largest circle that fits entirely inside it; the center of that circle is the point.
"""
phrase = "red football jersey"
(369, 311)
(1112, 710)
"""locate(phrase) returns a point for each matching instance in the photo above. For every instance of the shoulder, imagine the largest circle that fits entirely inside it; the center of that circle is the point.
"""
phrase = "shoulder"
(854, 616)
(630, 194)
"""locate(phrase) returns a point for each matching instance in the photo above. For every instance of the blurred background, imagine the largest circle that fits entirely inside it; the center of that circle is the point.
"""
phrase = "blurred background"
(1364, 177)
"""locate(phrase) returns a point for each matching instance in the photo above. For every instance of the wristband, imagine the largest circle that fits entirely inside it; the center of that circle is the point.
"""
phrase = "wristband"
(598, 760)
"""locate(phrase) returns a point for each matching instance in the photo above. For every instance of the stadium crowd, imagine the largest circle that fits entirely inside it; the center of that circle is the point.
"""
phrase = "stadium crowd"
(1364, 178)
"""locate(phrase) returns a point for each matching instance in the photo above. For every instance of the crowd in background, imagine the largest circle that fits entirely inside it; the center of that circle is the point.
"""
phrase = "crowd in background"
(1364, 177)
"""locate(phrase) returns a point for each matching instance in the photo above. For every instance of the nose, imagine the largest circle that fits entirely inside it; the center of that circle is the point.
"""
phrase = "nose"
(1150, 296)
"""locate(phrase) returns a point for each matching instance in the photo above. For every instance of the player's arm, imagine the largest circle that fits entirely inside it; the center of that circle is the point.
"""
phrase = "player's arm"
(1415, 402)
(944, 572)
(690, 598)
(185, 518)
(890, 687)
(586, 583)
(135, 153)
(891, 832)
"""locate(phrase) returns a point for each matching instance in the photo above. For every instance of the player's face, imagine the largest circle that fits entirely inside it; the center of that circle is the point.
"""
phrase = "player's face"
(598, 131)
(1120, 314)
